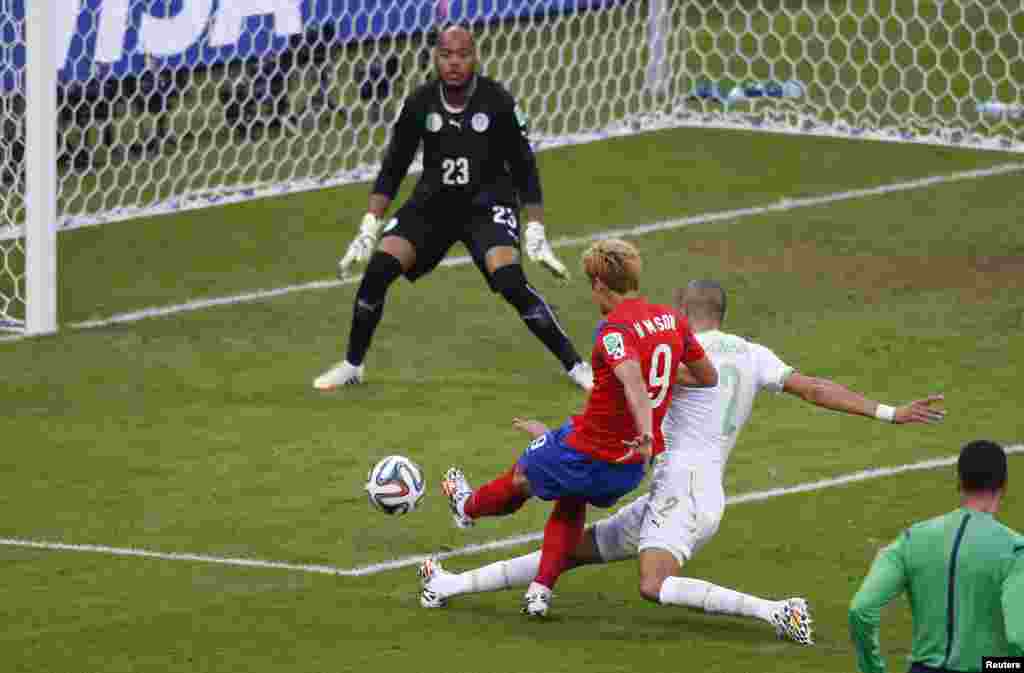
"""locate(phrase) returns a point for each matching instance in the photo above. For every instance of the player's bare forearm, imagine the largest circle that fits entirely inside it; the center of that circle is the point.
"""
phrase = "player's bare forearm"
(830, 395)
(643, 418)
(835, 396)
(534, 212)
(379, 204)
(640, 408)
(637, 400)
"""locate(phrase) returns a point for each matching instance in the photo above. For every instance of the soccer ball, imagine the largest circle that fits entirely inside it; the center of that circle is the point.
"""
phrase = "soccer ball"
(395, 485)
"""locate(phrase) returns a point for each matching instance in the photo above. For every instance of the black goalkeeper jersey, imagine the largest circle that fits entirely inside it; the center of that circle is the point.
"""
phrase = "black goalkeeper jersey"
(476, 157)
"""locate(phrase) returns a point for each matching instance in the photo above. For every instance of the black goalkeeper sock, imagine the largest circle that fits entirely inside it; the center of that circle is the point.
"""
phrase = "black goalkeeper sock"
(382, 270)
(539, 317)
(541, 320)
(510, 281)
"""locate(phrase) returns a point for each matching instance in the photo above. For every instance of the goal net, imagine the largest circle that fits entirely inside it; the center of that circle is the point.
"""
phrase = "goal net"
(12, 174)
(166, 105)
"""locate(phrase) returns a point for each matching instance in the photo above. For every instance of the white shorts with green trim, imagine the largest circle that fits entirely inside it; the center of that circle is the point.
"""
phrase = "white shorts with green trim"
(679, 515)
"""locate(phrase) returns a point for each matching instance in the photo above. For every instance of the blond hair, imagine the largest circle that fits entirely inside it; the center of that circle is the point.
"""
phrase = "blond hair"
(615, 262)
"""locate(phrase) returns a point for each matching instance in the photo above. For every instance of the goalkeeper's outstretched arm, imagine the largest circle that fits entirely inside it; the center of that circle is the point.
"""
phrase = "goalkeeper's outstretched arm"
(522, 164)
(521, 159)
(405, 140)
(831, 395)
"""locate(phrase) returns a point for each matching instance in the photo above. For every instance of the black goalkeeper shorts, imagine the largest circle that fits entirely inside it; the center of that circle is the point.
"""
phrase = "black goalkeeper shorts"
(433, 231)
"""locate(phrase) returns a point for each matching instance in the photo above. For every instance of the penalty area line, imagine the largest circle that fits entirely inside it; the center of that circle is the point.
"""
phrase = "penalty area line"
(468, 550)
(780, 206)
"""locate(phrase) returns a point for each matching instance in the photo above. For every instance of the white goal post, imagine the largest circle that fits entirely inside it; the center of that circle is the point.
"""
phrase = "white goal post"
(40, 170)
(114, 109)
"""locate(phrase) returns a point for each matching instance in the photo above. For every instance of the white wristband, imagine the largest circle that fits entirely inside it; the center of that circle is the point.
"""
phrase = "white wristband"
(885, 413)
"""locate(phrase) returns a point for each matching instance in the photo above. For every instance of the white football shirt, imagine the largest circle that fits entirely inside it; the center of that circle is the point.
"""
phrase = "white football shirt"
(703, 423)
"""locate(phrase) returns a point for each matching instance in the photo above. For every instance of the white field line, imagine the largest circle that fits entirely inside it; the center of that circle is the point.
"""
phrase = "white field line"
(375, 568)
(783, 205)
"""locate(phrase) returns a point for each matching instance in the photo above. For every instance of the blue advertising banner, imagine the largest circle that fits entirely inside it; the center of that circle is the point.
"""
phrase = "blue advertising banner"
(99, 38)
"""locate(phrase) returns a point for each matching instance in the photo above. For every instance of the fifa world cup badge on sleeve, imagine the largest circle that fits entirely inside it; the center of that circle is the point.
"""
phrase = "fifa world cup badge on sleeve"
(614, 346)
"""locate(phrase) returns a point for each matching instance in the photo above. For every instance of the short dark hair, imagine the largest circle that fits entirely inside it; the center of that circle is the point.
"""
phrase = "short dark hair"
(706, 298)
(982, 466)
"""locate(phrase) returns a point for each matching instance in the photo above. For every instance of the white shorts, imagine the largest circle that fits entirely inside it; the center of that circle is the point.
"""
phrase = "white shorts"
(680, 514)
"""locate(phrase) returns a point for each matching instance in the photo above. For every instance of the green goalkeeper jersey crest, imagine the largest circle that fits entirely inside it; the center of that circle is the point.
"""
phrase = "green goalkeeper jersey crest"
(964, 574)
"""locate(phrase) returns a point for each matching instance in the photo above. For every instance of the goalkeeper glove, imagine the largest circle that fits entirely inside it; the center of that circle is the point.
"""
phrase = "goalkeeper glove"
(539, 250)
(361, 247)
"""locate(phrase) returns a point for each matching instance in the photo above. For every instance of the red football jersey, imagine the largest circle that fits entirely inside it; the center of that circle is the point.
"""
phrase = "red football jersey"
(656, 336)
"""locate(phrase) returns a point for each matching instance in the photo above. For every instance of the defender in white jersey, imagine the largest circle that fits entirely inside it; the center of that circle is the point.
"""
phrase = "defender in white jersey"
(683, 510)
(686, 501)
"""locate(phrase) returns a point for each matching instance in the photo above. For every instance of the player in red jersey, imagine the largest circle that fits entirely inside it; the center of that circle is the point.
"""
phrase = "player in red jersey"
(599, 456)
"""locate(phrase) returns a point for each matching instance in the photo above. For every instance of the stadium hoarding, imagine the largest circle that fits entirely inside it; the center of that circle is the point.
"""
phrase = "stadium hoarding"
(114, 38)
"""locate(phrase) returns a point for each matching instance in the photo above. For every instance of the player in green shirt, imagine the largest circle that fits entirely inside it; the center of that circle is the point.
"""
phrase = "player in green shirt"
(964, 573)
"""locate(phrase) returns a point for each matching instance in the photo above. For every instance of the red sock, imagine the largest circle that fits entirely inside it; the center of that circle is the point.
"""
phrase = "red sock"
(496, 498)
(562, 534)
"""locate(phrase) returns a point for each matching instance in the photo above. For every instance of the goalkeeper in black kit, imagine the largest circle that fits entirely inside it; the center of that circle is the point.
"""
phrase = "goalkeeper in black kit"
(478, 168)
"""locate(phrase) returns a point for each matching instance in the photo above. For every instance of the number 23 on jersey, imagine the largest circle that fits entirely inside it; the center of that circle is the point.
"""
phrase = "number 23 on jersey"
(455, 171)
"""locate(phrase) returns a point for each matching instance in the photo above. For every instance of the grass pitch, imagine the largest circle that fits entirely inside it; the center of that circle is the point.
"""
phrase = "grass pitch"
(199, 432)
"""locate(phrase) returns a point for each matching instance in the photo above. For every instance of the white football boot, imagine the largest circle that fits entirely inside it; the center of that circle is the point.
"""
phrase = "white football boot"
(792, 620)
(457, 488)
(429, 571)
(582, 375)
(537, 600)
(342, 374)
